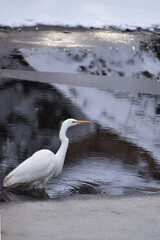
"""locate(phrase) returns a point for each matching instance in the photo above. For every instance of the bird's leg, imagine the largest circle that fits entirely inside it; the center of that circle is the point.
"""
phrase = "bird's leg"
(44, 186)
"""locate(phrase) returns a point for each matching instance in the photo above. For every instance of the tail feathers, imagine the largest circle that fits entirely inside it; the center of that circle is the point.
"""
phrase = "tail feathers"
(8, 181)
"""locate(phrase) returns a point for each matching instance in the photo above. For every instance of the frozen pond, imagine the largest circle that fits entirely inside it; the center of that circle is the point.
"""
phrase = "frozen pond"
(118, 154)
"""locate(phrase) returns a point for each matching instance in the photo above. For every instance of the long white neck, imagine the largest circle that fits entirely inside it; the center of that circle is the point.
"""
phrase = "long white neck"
(60, 155)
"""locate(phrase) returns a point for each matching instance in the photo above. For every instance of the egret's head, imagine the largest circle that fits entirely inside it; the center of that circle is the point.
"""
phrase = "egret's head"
(69, 123)
(72, 122)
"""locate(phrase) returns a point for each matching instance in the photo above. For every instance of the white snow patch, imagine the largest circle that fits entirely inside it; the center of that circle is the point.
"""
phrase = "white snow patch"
(97, 13)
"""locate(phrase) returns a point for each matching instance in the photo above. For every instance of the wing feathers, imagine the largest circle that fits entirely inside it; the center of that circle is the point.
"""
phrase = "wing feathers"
(35, 168)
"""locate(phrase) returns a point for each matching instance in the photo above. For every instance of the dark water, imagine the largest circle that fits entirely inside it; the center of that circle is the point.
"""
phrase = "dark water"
(98, 161)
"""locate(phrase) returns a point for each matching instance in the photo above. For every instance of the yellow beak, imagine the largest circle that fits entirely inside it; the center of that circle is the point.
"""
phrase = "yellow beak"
(79, 121)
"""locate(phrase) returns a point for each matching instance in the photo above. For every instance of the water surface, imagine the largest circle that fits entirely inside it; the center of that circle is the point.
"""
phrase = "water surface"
(102, 158)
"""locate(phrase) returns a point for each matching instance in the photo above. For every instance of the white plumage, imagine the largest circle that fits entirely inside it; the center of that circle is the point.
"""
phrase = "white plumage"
(43, 164)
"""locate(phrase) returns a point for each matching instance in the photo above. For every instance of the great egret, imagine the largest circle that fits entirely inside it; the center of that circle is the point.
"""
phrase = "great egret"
(43, 164)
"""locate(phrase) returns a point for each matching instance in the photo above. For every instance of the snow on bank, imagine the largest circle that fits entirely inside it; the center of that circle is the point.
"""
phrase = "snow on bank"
(96, 13)
(127, 62)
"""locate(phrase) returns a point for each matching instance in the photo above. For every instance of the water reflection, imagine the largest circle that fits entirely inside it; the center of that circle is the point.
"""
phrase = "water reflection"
(98, 161)
(9, 195)
(105, 164)
(132, 116)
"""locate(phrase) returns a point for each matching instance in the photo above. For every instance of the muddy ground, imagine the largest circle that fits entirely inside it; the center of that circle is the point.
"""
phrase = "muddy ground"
(88, 218)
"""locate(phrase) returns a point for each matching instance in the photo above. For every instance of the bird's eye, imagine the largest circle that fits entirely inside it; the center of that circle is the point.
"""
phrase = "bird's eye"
(73, 121)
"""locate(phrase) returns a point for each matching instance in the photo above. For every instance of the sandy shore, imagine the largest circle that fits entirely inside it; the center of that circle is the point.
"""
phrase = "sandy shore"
(83, 218)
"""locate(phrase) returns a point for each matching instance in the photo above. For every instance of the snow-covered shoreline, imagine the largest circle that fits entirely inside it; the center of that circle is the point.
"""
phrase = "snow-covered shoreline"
(91, 13)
